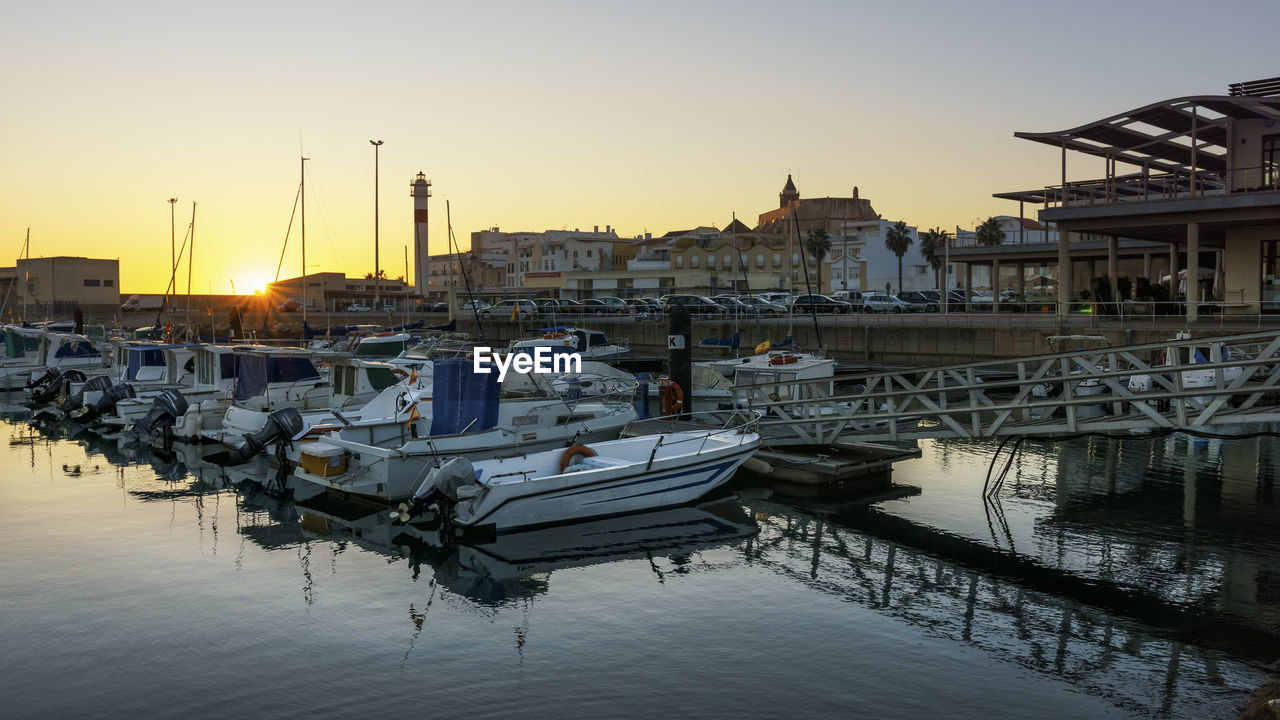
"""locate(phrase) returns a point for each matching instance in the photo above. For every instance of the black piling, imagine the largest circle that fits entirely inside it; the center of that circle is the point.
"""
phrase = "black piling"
(680, 346)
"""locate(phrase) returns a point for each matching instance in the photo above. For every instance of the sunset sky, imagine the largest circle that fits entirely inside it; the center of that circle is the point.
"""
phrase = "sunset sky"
(650, 116)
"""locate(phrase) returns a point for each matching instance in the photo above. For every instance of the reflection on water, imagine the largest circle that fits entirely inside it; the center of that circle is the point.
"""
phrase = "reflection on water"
(1082, 590)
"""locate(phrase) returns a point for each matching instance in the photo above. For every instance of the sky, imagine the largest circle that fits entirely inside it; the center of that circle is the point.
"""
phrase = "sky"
(647, 117)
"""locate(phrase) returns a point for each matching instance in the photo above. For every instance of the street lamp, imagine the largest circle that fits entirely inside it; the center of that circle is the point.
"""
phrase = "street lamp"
(377, 300)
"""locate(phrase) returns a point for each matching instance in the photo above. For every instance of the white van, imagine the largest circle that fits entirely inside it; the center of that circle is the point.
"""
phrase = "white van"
(853, 297)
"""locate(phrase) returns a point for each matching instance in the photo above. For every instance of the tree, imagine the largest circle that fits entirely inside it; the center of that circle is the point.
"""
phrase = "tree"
(382, 275)
(989, 232)
(818, 244)
(933, 246)
(898, 241)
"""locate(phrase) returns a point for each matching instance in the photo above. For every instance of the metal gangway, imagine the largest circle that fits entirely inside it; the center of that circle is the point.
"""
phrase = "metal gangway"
(1191, 384)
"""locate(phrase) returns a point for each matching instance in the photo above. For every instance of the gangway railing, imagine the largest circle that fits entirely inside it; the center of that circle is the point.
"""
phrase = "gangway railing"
(1234, 380)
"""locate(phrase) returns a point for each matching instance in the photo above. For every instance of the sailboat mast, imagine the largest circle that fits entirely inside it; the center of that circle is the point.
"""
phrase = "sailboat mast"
(191, 254)
(26, 275)
(302, 191)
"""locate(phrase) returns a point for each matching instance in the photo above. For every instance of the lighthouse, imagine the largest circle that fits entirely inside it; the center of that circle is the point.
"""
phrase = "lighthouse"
(420, 190)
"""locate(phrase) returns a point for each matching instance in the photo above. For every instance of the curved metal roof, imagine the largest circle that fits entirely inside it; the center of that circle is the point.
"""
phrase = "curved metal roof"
(1159, 135)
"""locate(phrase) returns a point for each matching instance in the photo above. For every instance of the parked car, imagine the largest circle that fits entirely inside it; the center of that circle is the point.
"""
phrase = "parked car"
(616, 305)
(547, 305)
(763, 307)
(470, 305)
(981, 302)
(700, 305)
(735, 305)
(777, 298)
(818, 303)
(593, 306)
(878, 302)
(853, 297)
(438, 307)
(356, 307)
(644, 305)
(918, 301)
(504, 309)
(290, 306)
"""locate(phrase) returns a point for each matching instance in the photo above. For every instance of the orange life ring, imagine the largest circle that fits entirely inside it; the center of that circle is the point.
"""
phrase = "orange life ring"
(552, 336)
(783, 359)
(670, 396)
(399, 372)
(574, 451)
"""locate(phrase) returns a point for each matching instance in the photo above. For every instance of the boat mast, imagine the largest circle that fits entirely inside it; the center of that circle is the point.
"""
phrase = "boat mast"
(302, 193)
(191, 254)
(26, 276)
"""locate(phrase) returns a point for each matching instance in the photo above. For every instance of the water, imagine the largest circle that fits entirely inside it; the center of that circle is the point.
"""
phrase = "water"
(137, 584)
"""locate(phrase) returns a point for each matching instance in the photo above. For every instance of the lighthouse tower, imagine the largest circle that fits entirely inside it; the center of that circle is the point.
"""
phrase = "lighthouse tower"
(420, 190)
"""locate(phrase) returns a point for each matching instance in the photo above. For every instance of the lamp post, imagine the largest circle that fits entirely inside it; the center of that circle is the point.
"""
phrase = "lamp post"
(377, 294)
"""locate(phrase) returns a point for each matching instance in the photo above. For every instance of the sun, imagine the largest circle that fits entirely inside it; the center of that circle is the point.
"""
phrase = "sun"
(251, 281)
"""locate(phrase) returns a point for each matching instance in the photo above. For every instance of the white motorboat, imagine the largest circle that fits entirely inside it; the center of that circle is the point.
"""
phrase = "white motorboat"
(590, 344)
(1189, 356)
(585, 481)
(467, 415)
(21, 356)
(269, 379)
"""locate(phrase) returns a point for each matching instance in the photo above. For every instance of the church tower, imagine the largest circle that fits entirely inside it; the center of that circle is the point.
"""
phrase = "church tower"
(789, 193)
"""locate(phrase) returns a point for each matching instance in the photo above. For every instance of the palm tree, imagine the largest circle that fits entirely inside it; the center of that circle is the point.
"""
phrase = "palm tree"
(989, 232)
(818, 244)
(898, 241)
(933, 246)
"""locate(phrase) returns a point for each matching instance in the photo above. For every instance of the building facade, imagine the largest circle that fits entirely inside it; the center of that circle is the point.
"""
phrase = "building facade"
(57, 286)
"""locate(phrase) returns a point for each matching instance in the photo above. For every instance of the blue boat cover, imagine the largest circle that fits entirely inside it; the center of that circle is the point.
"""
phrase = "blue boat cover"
(462, 399)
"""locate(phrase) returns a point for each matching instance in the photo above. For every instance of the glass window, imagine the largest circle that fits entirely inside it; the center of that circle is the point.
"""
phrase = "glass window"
(1271, 160)
(760, 260)
(777, 259)
(693, 261)
(1271, 276)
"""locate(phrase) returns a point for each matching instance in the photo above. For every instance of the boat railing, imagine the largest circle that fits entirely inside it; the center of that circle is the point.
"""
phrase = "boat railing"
(711, 422)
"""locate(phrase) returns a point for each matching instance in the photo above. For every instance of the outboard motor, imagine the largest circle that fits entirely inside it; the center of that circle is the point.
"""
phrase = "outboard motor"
(168, 406)
(97, 383)
(448, 483)
(105, 404)
(283, 424)
(46, 387)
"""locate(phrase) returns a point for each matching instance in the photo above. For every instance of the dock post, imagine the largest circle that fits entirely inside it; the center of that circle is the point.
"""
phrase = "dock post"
(680, 346)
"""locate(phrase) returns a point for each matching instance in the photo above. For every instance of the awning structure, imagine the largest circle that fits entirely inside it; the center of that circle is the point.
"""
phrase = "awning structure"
(1175, 136)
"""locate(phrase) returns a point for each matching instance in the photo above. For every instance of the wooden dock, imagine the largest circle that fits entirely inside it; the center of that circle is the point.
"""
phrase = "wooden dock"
(844, 467)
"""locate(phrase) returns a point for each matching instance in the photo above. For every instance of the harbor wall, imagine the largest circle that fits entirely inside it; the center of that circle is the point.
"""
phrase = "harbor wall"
(847, 342)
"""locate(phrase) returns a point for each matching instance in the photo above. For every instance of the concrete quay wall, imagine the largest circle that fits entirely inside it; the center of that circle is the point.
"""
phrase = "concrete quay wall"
(849, 341)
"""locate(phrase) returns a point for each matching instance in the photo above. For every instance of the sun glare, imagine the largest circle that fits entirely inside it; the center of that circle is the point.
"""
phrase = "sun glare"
(248, 282)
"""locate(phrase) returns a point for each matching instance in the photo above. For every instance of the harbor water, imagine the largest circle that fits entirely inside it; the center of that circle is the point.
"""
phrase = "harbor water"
(1108, 578)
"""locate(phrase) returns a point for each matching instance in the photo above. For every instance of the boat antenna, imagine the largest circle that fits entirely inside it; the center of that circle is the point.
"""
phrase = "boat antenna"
(813, 307)
(457, 253)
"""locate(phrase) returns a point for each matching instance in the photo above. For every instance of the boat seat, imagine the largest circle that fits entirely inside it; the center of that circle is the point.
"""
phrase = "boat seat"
(595, 462)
